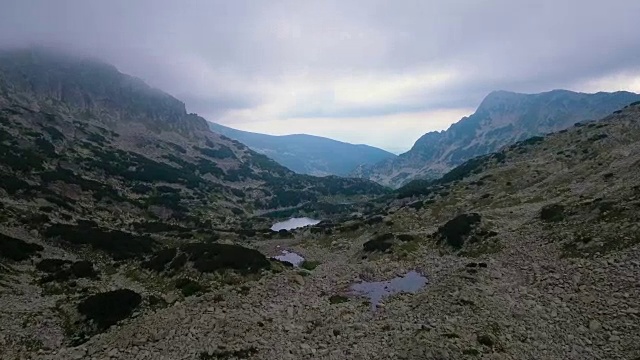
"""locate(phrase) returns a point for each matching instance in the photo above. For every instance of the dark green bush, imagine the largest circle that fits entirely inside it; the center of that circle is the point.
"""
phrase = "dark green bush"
(157, 227)
(457, 229)
(338, 299)
(213, 257)
(16, 249)
(13, 184)
(178, 262)
(83, 269)
(106, 309)
(380, 243)
(223, 152)
(228, 354)
(189, 287)
(597, 137)
(552, 213)
(309, 265)
(531, 141)
(159, 261)
(52, 265)
(118, 244)
(406, 237)
(45, 147)
(54, 133)
(419, 204)
(63, 270)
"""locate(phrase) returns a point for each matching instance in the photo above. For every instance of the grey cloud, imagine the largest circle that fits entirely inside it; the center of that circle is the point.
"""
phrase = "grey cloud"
(216, 105)
(498, 44)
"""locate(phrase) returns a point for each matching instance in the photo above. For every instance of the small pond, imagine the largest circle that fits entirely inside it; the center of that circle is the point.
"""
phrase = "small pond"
(290, 257)
(294, 223)
(376, 291)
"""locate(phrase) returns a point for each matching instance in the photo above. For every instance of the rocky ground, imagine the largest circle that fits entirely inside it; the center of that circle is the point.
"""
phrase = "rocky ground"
(526, 304)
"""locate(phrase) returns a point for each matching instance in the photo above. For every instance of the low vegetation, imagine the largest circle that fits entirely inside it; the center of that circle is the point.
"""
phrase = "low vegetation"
(17, 250)
(106, 309)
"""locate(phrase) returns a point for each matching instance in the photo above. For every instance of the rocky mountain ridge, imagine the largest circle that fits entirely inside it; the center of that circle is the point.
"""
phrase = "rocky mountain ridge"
(501, 119)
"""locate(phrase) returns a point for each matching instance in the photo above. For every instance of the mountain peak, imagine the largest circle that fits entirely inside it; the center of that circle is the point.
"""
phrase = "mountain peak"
(503, 118)
(92, 88)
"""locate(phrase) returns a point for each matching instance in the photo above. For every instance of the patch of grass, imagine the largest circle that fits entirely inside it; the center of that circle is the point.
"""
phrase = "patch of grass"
(409, 247)
(584, 246)
(228, 354)
(482, 248)
(552, 213)
(190, 287)
(338, 299)
(471, 352)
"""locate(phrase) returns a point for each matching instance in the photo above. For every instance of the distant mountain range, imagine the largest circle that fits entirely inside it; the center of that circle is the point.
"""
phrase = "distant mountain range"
(502, 118)
(308, 154)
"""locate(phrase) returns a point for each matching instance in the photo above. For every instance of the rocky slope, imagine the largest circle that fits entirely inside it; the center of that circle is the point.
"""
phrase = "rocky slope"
(308, 154)
(78, 129)
(501, 119)
(531, 252)
(100, 174)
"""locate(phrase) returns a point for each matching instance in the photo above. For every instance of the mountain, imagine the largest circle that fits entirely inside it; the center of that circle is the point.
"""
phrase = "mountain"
(77, 126)
(308, 154)
(103, 176)
(502, 118)
(529, 252)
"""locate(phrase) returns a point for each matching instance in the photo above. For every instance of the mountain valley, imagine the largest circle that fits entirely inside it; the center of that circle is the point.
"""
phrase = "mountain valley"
(131, 231)
(308, 154)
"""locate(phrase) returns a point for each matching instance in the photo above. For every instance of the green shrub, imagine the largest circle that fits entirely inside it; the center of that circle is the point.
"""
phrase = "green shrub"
(457, 229)
(16, 249)
(52, 265)
(213, 257)
(552, 213)
(83, 269)
(106, 309)
(159, 261)
(309, 265)
(189, 287)
(54, 133)
(380, 243)
(406, 237)
(118, 244)
(338, 299)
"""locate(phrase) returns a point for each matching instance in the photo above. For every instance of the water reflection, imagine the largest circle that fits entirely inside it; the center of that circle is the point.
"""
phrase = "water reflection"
(376, 291)
(294, 223)
(290, 257)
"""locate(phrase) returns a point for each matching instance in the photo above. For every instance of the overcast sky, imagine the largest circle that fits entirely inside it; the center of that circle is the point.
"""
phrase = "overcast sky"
(368, 71)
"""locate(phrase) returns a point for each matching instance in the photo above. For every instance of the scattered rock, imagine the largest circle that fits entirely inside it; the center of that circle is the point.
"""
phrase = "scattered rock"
(594, 325)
